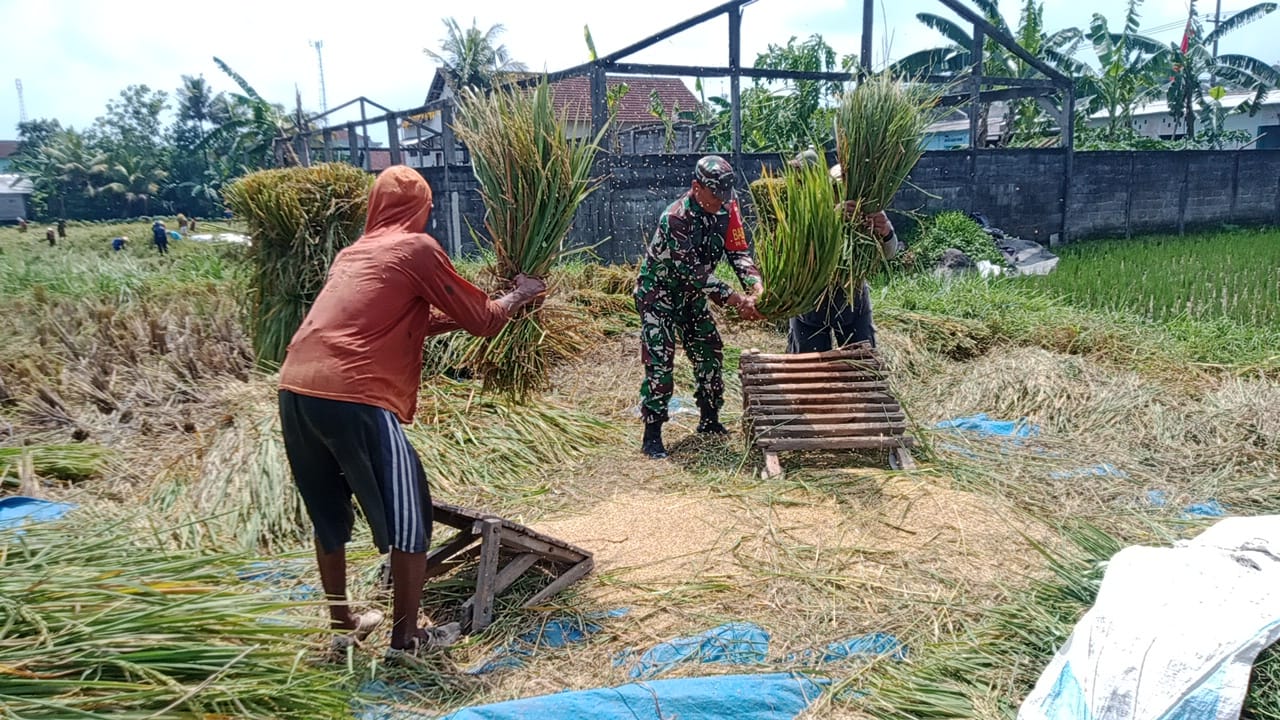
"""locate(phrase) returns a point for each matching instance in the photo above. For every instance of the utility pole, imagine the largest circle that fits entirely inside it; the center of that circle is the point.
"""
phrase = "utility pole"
(868, 15)
(22, 103)
(1217, 20)
(324, 100)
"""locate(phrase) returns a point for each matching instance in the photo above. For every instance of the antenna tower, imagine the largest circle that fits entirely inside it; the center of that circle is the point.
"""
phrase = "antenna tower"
(22, 103)
(324, 100)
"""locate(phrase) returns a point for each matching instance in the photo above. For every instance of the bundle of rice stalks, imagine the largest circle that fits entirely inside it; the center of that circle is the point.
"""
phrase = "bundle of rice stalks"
(120, 629)
(799, 250)
(879, 137)
(299, 219)
(482, 446)
(532, 179)
(72, 463)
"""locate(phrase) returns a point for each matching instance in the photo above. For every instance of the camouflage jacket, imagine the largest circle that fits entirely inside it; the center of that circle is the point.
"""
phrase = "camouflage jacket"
(681, 258)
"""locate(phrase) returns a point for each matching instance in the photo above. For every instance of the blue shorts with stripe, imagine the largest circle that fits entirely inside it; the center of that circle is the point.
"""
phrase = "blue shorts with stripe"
(341, 450)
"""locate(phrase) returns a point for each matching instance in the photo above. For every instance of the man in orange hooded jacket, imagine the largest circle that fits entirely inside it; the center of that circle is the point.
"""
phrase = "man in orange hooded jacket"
(350, 378)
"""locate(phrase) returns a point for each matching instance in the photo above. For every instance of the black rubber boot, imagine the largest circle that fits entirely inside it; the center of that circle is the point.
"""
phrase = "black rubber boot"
(710, 423)
(653, 446)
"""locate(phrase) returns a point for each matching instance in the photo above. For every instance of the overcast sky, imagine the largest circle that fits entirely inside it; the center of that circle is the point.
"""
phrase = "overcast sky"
(73, 55)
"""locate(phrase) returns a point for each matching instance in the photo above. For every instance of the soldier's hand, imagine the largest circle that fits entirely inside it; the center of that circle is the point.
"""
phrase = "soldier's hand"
(746, 306)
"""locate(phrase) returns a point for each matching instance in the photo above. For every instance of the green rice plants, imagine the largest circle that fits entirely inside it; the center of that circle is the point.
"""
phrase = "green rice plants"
(120, 627)
(532, 179)
(299, 218)
(79, 461)
(880, 128)
(799, 251)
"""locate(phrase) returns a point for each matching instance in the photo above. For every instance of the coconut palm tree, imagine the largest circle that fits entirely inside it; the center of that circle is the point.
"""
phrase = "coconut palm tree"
(136, 179)
(473, 58)
(197, 103)
(1196, 71)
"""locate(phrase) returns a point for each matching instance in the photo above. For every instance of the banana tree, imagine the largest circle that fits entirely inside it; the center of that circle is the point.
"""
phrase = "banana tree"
(1132, 68)
(1196, 70)
(1056, 49)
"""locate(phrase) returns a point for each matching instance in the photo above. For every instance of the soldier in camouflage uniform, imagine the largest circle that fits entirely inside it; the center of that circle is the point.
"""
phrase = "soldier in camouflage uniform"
(677, 278)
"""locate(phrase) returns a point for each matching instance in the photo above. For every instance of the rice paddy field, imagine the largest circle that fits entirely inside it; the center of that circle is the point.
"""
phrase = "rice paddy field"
(182, 583)
(1231, 275)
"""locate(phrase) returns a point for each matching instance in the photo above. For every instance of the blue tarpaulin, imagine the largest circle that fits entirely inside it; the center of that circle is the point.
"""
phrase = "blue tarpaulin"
(775, 696)
(554, 634)
(861, 646)
(984, 426)
(737, 643)
(17, 510)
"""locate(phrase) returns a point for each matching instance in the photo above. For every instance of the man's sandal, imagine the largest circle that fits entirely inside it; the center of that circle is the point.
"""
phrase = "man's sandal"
(366, 623)
(426, 639)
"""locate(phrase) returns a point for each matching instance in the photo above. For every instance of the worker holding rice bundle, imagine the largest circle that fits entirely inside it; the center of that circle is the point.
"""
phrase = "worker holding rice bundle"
(837, 321)
(677, 279)
(351, 378)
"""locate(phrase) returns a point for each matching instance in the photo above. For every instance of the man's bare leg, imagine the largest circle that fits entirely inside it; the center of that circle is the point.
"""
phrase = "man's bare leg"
(333, 577)
(407, 575)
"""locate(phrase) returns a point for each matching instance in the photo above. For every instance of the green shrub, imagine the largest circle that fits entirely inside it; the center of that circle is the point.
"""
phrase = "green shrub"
(951, 229)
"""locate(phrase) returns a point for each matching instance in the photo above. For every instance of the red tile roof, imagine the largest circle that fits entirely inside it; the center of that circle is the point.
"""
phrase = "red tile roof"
(574, 95)
(8, 147)
(379, 160)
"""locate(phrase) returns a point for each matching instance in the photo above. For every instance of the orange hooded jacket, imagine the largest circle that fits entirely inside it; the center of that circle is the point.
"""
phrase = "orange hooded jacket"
(361, 341)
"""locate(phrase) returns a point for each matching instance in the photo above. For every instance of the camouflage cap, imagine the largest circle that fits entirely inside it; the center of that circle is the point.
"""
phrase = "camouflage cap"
(716, 175)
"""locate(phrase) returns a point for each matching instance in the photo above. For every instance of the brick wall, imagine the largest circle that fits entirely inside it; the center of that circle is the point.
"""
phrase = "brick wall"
(1022, 191)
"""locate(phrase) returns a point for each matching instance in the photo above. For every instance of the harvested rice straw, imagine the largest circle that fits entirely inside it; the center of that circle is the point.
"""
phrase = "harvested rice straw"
(799, 251)
(879, 138)
(532, 179)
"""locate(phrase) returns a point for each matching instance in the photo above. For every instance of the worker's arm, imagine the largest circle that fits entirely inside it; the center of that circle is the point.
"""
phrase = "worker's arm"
(739, 253)
(458, 304)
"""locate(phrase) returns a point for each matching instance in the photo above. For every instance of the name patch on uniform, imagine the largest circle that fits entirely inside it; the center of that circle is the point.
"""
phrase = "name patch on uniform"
(735, 240)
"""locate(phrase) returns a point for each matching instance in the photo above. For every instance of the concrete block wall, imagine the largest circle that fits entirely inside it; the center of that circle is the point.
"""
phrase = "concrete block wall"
(1111, 194)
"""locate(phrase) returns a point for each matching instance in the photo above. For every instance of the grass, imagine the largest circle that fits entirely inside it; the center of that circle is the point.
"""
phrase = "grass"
(1226, 276)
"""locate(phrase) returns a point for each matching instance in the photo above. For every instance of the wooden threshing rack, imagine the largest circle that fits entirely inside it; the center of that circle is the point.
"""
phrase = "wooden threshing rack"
(835, 400)
(506, 551)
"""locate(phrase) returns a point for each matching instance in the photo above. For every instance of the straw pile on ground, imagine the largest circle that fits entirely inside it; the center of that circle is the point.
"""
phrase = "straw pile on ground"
(116, 628)
(299, 218)
(879, 137)
(532, 179)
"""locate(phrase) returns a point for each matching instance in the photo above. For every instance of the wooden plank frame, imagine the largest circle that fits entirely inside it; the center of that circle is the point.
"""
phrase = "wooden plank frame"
(834, 400)
(506, 551)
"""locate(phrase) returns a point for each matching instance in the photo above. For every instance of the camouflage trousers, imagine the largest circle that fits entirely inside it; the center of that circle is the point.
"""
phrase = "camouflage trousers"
(661, 323)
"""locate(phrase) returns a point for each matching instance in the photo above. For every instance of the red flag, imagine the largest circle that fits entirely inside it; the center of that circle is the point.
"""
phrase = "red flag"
(1186, 36)
(736, 239)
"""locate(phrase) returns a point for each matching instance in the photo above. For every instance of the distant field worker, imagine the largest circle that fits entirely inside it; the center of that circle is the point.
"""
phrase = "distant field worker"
(191, 225)
(836, 322)
(351, 378)
(677, 278)
(62, 229)
(51, 235)
(160, 236)
(22, 225)
(117, 244)
(182, 222)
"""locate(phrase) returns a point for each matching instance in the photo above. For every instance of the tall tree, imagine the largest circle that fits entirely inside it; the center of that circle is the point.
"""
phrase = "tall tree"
(1056, 49)
(1196, 72)
(792, 117)
(472, 57)
(132, 123)
(1132, 68)
(197, 102)
(249, 124)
